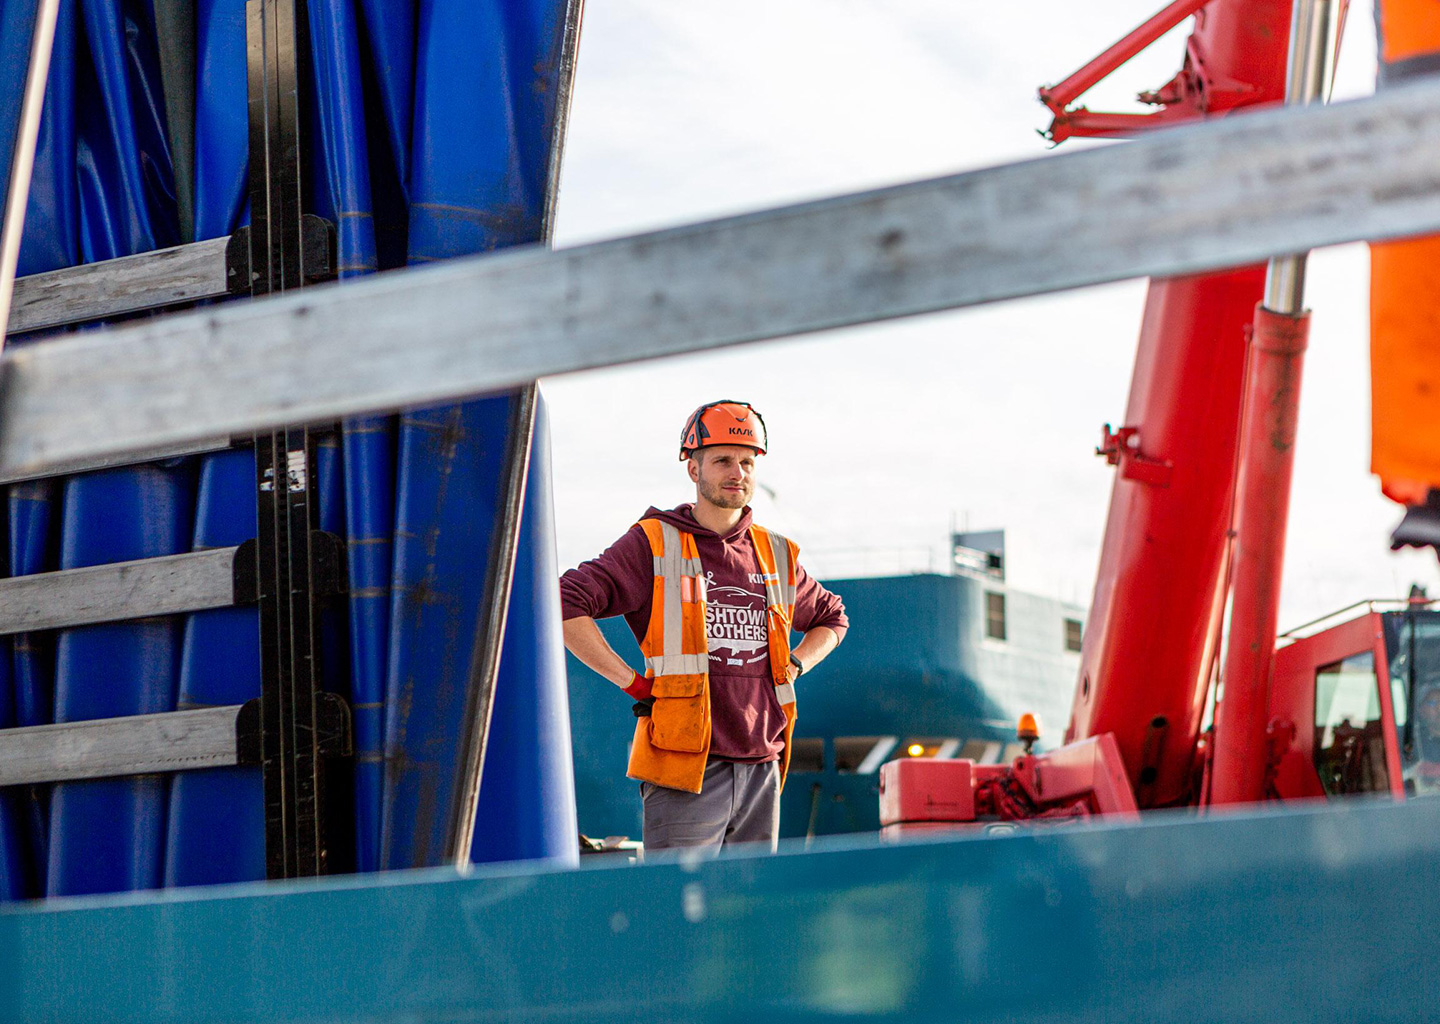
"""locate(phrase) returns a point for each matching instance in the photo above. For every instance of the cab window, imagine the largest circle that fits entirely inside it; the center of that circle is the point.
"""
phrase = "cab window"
(1349, 742)
(1413, 643)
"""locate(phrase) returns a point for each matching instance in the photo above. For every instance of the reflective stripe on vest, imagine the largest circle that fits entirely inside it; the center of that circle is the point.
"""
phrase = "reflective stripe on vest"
(773, 553)
(682, 583)
(779, 584)
(678, 665)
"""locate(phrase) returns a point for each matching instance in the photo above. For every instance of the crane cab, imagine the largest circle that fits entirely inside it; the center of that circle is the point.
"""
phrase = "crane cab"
(1356, 706)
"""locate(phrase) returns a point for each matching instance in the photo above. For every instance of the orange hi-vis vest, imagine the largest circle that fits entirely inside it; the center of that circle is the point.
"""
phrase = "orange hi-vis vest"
(672, 744)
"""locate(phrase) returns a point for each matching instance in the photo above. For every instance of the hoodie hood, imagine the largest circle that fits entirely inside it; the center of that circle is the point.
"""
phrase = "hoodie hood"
(682, 517)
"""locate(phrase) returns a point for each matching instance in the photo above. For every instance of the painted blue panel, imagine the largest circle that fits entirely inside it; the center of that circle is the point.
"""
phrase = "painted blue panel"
(527, 764)
(1323, 915)
(109, 835)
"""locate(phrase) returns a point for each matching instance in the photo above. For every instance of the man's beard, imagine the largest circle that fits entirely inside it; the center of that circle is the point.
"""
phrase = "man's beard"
(721, 499)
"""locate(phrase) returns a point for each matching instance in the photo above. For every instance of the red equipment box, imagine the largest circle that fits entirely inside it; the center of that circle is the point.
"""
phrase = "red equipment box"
(926, 789)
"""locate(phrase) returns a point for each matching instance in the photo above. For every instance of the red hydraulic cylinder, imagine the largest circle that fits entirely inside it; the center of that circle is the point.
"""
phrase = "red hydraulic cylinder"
(1152, 633)
(1262, 510)
(1150, 641)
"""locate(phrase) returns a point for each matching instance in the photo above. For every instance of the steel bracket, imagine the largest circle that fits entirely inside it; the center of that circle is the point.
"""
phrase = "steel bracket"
(333, 728)
(329, 575)
(1122, 448)
(317, 247)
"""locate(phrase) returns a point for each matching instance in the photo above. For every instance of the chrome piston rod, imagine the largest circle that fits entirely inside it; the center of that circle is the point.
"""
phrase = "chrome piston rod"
(1314, 42)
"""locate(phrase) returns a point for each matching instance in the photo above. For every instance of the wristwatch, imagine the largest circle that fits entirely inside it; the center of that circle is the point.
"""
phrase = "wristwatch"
(799, 668)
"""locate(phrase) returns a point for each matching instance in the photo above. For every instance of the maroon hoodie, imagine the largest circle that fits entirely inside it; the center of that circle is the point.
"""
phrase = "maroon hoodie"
(746, 721)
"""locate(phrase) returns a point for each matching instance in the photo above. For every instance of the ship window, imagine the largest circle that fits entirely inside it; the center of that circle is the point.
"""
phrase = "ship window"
(862, 755)
(994, 615)
(1072, 634)
(1349, 746)
(807, 754)
(936, 747)
(982, 751)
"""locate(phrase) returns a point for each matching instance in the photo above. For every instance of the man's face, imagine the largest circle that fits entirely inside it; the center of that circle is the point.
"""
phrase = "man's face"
(724, 475)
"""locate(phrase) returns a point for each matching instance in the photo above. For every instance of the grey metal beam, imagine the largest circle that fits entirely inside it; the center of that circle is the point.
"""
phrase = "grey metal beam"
(1231, 192)
(109, 747)
(122, 590)
(94, 291)
(89, 463)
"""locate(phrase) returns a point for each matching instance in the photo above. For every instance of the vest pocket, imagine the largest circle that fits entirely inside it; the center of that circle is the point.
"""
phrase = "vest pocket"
(680, 718)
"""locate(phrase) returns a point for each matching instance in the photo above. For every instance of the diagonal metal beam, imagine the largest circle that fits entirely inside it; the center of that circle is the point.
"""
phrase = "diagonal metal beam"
(1232, 192)
(22, 146)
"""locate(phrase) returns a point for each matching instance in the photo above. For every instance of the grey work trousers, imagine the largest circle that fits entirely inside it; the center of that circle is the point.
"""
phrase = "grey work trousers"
(737, 803)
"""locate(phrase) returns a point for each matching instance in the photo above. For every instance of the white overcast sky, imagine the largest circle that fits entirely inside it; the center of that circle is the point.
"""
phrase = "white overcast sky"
(882, 435)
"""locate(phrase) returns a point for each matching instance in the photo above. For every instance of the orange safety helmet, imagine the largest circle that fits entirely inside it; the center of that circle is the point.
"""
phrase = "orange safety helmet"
(724, 422)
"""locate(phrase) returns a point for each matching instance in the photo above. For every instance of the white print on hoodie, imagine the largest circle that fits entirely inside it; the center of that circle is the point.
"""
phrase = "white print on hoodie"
(735, 624)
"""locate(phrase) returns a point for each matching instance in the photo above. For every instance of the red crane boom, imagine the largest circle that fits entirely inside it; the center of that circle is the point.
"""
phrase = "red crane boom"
(1152, 637)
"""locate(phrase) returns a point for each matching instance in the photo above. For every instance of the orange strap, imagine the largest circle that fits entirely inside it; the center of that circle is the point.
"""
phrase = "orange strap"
(1405, 296)
(1407, 28)
(1405, 367)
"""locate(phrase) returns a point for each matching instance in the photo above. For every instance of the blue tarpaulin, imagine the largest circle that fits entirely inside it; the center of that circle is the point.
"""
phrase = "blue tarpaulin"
(427, 133)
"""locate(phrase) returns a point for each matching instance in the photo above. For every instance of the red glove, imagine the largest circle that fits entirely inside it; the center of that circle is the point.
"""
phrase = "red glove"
(640, 687)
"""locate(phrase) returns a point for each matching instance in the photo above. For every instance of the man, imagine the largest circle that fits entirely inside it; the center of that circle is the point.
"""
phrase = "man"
(712, 599)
